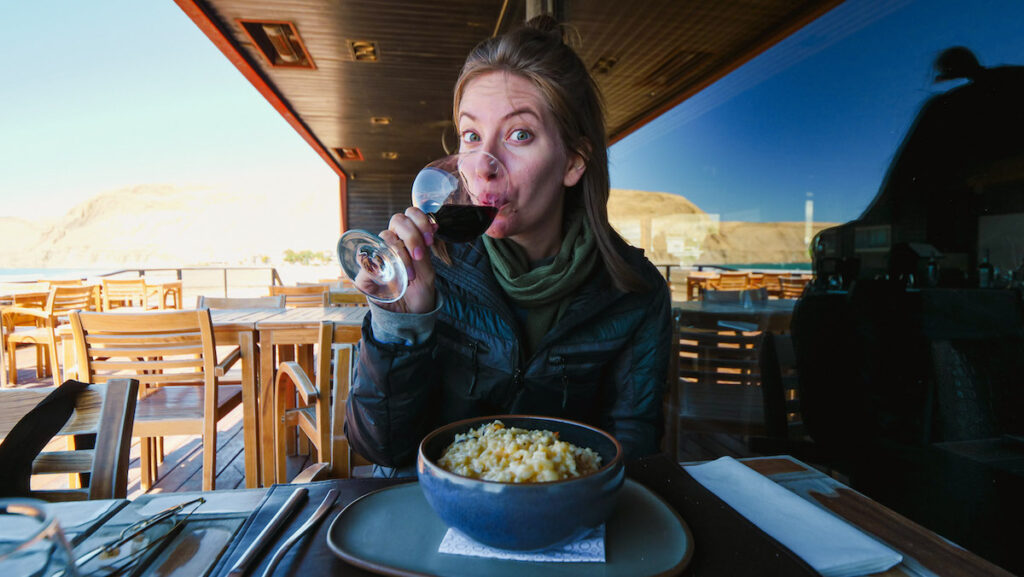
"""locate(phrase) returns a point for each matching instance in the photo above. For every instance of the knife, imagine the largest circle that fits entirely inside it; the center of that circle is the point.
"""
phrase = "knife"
(267, 534)
(322, 510)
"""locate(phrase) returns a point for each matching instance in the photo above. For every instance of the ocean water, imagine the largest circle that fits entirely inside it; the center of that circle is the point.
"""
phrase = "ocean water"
(30, 274)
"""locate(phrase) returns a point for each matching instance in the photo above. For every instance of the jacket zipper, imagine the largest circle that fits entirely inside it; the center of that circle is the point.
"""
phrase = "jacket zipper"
(476, 368)
(560, 360)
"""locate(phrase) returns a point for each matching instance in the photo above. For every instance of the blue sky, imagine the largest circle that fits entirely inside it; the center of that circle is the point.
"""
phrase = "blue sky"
(116, 93)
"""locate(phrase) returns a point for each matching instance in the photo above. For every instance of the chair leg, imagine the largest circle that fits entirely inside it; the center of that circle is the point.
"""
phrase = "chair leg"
(12, 364)
(209, 454)
(145, 464)
(54, 363)
(40, 363)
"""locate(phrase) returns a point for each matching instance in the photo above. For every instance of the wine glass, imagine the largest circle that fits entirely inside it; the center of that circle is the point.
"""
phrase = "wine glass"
(460, 194)
(42, 547)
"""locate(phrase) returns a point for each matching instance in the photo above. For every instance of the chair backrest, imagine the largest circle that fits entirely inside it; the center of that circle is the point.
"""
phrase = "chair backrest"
(732, 281)
(347, 298)
(64, 299)
(124, 292)
(793, 286)
(720, 380)
(106, 411)
(157, 348)
(301, 296)
(271, 302)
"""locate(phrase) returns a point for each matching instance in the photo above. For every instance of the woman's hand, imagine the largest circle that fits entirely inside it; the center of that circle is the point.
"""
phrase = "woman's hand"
(411, 235)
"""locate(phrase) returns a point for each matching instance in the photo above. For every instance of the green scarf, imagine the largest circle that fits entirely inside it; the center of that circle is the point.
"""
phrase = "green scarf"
(545, 291)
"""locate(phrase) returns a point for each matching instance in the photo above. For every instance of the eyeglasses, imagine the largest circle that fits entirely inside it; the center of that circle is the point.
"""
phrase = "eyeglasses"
(136, 541)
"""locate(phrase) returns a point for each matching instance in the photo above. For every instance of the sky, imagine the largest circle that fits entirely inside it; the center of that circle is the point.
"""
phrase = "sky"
(109, 94)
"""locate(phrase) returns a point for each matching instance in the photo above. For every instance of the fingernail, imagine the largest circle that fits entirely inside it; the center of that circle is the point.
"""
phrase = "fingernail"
(417, 253)
(411, 273)
(429, 238)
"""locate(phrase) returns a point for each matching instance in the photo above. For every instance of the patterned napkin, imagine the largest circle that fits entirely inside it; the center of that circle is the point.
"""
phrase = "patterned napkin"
(588, 549)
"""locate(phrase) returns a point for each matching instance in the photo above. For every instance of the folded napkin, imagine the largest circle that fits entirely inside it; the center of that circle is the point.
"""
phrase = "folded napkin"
(832, 546)
(587, 549)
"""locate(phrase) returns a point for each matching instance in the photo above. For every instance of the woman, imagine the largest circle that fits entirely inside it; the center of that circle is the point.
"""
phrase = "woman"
(550, 312)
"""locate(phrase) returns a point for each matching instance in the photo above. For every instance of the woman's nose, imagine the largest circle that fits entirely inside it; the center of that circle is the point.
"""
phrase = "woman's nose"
(486, 177)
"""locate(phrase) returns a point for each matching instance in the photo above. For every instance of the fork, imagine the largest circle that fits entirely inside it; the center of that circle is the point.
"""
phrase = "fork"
(325, 506)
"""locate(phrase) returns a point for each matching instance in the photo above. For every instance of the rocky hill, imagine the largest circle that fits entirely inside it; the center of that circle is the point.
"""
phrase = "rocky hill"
(162, 225)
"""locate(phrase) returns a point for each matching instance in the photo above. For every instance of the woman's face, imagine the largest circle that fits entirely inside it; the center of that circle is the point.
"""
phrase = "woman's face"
(504, 114)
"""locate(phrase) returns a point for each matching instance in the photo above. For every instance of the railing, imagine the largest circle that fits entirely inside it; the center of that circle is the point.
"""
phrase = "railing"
(228, 281)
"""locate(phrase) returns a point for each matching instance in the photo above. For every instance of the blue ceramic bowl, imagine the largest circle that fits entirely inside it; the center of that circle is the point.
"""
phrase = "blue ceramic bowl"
(523, 516)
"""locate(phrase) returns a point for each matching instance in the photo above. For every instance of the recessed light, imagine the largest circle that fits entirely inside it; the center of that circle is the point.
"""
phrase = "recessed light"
(279, 42)
(382, 120)
(348, 153)
(389, 155)
(364, 50)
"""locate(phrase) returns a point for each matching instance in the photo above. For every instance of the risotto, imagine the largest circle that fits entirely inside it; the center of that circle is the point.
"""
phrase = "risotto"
(513, 455)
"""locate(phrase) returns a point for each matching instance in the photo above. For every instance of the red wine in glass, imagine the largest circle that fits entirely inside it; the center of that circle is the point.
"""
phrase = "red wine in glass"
(462, 222)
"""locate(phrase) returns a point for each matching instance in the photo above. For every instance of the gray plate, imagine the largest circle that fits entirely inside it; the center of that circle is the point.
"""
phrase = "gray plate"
(394, 531)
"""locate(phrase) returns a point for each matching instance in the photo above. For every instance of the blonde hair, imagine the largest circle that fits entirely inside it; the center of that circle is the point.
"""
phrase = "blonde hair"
(537, 52)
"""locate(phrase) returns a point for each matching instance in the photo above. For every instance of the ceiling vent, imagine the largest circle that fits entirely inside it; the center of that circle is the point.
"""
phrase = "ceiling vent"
(364, 50)
(346, 153)
(279, 42)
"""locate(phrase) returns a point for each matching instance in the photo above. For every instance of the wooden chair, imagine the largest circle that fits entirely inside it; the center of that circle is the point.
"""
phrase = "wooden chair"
(301, 296)
(770, 283)
(318, 413)
(104, 411)
(120, 293)
(719, 381)
(173, 355)
(346, 298)
(167, 295)
(792, 286)
(730, 281)
(61, 301)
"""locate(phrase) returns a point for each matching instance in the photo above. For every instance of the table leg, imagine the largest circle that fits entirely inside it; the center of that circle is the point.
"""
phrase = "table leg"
(3, 346)
(266, 406)
(250, 409)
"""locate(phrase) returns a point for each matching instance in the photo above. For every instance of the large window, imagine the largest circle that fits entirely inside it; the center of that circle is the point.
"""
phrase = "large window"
(801, 138)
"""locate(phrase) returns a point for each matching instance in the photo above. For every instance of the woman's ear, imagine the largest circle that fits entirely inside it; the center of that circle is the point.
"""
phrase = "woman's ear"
(574, 170)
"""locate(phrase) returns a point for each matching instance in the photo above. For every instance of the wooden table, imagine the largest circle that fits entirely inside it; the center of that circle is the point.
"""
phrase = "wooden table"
(297, 326)
(723, 540)
(770, 315)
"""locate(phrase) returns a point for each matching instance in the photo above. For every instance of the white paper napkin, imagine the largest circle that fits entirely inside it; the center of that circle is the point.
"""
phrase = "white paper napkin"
(588, 549)
(830, 545)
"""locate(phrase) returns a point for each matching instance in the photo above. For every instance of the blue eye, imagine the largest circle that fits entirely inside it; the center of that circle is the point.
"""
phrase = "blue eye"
(470, 136)
(521, 135)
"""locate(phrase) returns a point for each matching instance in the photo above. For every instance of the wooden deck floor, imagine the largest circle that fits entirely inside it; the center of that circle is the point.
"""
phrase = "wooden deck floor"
(182, 466)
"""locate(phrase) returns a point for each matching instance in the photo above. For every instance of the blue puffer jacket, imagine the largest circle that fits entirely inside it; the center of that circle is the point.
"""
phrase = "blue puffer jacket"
(604, 363)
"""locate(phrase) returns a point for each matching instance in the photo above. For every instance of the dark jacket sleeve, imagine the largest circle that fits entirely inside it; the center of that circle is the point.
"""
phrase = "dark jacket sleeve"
(639, 376)
(390, 400)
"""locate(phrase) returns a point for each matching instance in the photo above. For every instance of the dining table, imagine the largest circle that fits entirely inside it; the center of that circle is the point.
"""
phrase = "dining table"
(719, 540)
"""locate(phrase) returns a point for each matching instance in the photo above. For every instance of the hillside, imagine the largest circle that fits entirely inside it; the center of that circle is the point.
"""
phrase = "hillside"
(673, 230)
(162, 225)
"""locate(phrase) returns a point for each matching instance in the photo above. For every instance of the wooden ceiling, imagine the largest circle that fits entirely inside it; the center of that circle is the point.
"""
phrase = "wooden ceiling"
(646, 55)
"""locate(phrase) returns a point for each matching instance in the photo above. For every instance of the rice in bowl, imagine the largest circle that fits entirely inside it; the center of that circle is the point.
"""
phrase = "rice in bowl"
(493, 452)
